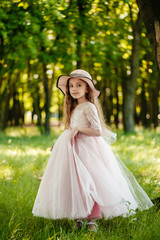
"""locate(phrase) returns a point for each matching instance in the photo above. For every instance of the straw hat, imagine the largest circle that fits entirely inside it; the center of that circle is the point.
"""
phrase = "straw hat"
(78, 73)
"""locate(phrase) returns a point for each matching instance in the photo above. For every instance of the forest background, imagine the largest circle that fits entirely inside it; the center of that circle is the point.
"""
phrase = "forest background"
(40, 40)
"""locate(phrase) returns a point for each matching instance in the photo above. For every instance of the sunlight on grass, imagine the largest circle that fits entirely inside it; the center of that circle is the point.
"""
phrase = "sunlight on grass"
(22, 131)
(6, 172)
(29, 131)
(27, 151)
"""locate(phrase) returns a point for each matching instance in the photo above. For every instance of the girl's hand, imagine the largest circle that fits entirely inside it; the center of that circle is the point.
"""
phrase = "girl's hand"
(74, 131)
(51, 148)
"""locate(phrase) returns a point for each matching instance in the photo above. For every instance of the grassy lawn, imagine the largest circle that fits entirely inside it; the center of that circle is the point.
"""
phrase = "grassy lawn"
(23, 158)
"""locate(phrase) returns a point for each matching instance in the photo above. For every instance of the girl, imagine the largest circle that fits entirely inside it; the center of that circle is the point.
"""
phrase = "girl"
(83, 178)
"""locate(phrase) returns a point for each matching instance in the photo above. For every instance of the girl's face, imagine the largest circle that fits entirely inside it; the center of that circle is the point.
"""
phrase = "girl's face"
(77, 89)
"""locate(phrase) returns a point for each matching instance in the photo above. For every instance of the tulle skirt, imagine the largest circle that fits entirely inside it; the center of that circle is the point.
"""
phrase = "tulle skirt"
(84, 172)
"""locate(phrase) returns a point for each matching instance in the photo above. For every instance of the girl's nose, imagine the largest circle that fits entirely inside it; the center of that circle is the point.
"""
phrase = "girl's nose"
(74, 87)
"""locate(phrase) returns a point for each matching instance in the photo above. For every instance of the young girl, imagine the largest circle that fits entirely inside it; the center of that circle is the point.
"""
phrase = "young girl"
(83, 178)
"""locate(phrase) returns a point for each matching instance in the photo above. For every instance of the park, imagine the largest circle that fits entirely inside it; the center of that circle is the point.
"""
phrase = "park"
(118, 43)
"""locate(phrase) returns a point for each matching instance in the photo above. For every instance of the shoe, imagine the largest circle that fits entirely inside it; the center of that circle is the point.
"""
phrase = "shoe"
(79, 224)
(92, 226)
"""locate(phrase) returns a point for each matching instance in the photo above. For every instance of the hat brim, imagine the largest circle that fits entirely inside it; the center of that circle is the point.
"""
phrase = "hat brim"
(62, 82)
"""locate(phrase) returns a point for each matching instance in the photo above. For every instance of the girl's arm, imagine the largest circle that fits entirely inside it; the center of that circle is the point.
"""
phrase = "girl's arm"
(89, 131)
(86, 131)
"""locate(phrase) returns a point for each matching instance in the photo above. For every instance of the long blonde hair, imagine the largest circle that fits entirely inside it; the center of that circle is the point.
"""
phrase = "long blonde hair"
(70, 104)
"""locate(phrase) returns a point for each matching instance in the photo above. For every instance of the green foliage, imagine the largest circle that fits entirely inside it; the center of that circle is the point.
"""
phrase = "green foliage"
(23, 157)
(94, 35)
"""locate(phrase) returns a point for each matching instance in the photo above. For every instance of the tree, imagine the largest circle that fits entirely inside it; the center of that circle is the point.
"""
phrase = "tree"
(150, 13)
(129, 86)
(40, 40)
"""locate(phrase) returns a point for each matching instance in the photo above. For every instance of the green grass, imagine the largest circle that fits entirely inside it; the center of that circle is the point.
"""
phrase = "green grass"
(23, 158)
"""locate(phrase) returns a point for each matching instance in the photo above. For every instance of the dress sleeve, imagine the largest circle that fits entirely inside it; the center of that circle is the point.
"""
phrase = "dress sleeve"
(92, 116)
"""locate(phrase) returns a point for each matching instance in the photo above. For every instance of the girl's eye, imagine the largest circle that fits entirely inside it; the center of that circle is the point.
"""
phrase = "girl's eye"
(78, 85)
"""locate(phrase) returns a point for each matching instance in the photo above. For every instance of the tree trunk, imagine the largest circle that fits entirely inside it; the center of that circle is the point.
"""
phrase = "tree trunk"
(117, 106)
(110, 100)
(5, 98)
(136, 115)
(108, 103)
(1, 56)
(155, 109)
(117, 100)
(81, 4)
(104, 98)
(79, 35)
(150, 11)
(38, 109)
(4, 119)
(130, 84)
(79, 54)
(143, 114)
(154, 92)
(36, 98)
(47, 100)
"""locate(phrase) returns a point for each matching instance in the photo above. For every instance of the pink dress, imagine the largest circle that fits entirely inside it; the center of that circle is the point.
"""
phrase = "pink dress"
(84, 178)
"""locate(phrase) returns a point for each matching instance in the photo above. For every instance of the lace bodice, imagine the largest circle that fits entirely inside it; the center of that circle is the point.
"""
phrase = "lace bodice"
(85, 115)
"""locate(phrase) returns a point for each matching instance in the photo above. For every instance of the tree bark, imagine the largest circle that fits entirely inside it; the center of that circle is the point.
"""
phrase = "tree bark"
(81, 4)
(104, 98)
(117, 106)
(79, 33)
(5, 98)
(154, 92)
(130, 84)
(150, 11)
(47, 100)
(4, 119)
(36, 96)
(155, 108)
(117, 98)
(144, 110)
